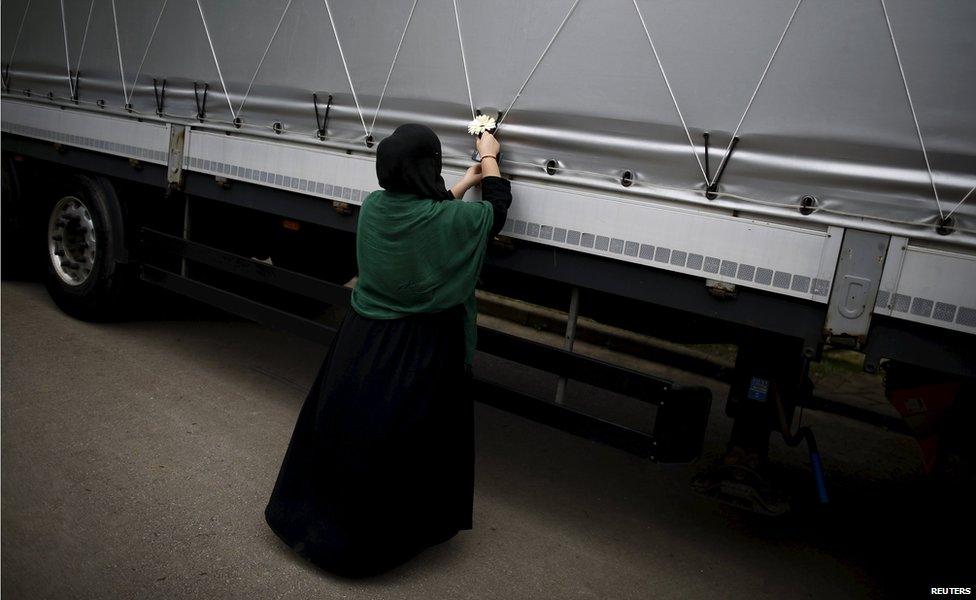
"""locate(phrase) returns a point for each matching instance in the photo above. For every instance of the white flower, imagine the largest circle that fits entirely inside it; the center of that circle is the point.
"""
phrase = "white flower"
(481, 124)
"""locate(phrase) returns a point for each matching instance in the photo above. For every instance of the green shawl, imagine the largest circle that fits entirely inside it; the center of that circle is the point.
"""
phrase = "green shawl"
(420, 256)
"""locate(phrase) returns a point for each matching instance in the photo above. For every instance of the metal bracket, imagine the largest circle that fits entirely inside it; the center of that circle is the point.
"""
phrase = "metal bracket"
(854, 289)
(159, 93)
(321, 122)
(201, 106)
(710, 191)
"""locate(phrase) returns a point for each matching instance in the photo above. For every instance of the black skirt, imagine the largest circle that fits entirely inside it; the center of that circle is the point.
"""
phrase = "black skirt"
(381, 462)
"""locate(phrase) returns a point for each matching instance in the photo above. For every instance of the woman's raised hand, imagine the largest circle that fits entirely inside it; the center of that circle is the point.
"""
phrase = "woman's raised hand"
(488, 148)
(471, 178)
(487, 145)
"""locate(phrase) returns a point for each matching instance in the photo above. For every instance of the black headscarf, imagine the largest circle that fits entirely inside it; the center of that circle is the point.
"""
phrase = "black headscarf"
(409, 162)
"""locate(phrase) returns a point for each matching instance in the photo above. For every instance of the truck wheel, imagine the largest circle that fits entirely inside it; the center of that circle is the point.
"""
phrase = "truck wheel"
(83, 242)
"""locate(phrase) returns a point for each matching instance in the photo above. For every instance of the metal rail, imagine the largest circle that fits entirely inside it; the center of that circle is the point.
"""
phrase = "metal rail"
(682, 413)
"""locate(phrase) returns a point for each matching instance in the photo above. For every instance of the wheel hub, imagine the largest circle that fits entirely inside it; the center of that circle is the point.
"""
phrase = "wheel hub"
(71, 241)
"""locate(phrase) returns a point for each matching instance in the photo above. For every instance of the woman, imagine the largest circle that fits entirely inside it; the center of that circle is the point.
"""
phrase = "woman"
(381, 462)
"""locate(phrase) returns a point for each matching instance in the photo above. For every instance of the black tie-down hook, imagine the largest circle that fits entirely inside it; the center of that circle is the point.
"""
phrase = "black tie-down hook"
(321, 122)
(201, 106)
(493, 130)
(712, 189)
(159, 93)
(5, 76)
(74, 85)
(946, 225)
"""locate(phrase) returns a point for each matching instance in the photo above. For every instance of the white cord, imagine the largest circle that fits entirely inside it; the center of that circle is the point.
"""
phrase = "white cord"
(84, 38)
(392, 66)
(67, 59)
(345, 66)
(695, 191)
(263, 56)
(694, 149)
(958, 204)
(537, 63)
(118, 46)
(213, 51)
(464, 61)
(152, 36)
(911, 105)
(20, 28)
(755, 92)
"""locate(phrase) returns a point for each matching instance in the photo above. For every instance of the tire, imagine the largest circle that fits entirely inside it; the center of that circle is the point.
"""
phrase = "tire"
(82, 233)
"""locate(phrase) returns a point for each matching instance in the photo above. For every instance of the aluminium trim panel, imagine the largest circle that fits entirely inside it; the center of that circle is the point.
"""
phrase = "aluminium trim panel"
(929, 285)
(780, 258)
(148, 142)
(316, 172)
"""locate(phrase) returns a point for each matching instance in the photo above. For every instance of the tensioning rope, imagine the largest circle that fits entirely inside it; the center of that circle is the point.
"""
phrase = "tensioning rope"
(67, 58)
(960, 203)
(389, 75)
(538, 62)
(464, 158)
(911, 106)
(84, 38)
(660, 65)
(118, 46)
(81, 52)
(345, 66)
(755, 92)
(152, 36)
(464, 61)
(213, 51)
(20, 28)
(263, 56)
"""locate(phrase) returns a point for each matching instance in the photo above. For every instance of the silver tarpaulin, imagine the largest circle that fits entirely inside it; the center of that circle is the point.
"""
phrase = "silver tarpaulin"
(864, 105)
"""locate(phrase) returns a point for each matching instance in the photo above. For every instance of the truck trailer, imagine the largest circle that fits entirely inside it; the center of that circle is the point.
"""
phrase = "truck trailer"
(783, 175)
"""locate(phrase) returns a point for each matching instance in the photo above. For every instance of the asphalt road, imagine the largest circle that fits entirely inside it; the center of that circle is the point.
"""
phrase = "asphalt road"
(137, 458)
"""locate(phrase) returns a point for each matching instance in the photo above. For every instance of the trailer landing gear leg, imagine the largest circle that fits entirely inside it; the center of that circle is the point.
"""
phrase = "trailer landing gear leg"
(770, 373)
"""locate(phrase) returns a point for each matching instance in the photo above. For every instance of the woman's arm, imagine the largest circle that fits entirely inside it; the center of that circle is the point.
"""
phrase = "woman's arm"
(494, 189)
(488, 148)
(471, 178)
(498, 192)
